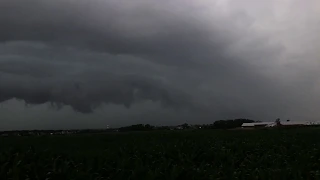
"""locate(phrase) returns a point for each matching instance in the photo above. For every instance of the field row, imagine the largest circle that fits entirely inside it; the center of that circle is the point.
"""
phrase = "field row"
(212, 154)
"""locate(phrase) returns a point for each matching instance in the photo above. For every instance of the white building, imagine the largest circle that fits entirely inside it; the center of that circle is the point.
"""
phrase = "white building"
(283, 123)
(257, 124)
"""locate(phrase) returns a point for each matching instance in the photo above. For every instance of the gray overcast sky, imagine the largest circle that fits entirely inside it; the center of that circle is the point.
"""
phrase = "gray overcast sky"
(92, 63)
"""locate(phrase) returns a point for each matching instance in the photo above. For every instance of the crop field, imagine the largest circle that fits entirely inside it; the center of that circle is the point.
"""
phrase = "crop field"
(164, 155)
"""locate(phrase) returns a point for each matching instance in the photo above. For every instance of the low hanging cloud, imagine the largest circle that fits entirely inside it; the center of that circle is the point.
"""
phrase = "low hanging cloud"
(84, 95)
(75, 83)
(214, 58)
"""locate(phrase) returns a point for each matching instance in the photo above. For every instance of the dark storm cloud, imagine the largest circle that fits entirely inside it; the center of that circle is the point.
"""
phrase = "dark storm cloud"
(176, 41)
(182, 53)
(144, 30)
(84, 95)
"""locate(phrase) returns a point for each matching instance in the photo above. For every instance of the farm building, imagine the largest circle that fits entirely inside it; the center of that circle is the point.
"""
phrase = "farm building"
(293, 123)
(256, 125)
(285, 123)
(313, 123)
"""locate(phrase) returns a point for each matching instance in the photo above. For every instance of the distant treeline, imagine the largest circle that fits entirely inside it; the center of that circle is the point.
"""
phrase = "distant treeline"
(220, 124)
(228, 124)
(137, 127)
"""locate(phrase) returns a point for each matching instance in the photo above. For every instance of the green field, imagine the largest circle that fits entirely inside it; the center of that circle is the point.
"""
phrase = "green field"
(164, 155)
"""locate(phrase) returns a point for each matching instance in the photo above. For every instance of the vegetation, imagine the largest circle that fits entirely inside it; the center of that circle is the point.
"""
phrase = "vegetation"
(220, 124)
(228, 124)
(200, 154)
(137, 127)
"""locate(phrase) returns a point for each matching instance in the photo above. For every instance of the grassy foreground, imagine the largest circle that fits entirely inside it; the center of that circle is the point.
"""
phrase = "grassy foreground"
(164, 155)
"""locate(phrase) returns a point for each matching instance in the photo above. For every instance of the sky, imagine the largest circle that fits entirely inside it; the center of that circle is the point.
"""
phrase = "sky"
(92, 63)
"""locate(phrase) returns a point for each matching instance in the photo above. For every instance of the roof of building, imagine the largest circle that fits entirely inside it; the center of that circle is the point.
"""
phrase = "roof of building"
(313, 123)
(247, 124)
(293, 123)
(256, 124)
(288, 123)
(263, 123)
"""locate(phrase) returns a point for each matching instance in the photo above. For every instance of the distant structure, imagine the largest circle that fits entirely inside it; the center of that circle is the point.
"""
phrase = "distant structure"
(257, 125)
(278, 123)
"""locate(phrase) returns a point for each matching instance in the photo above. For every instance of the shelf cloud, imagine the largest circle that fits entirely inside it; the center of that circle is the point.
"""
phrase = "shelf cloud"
(212, 59)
